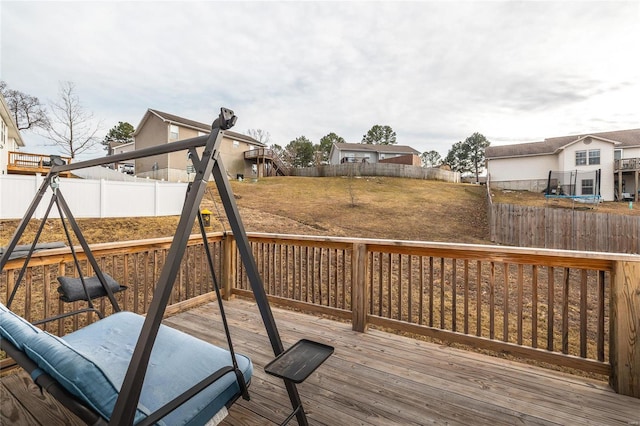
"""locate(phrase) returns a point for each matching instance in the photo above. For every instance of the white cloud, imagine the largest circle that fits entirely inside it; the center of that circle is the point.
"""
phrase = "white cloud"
(434, 71)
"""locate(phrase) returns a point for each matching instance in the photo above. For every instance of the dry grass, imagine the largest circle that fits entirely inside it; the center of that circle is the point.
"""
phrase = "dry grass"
(391, 208)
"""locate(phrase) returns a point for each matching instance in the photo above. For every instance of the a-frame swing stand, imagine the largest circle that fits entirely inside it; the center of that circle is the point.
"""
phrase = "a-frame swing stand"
(293, 365)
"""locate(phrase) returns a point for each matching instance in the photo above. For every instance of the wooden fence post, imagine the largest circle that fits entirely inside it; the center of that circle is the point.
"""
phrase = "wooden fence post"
(625, 329)
(229, 265)
(359, 290)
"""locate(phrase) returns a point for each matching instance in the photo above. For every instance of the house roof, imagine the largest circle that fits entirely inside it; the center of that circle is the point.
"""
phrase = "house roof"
(386, 149)
(196, 125)
(621, 138)
(7, 117)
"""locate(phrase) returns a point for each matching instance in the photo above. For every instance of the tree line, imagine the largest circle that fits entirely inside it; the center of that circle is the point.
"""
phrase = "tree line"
(67, 124)
(466, 157)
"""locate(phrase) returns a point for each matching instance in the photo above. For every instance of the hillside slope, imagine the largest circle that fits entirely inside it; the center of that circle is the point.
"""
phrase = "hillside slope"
(389, 208)
(376, 207)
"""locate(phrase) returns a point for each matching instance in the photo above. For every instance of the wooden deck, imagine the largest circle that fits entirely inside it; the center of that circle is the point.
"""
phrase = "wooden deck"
(372, 379)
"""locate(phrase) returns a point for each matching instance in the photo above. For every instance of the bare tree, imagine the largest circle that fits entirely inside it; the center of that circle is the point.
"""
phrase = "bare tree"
(72, 128)
(27, 111)
(260, 135)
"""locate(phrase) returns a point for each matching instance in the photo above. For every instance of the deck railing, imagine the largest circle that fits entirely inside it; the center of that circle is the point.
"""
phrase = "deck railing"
(573, 309)
(268, 154)
(25, 162)
(627, 164)
(134, 264)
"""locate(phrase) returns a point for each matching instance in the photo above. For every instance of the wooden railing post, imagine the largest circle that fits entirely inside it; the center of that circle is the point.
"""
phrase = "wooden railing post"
(359, 290)
(229, 265)
(625, 329)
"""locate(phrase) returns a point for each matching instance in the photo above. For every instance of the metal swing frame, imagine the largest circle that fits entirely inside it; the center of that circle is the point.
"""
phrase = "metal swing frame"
(206, 165)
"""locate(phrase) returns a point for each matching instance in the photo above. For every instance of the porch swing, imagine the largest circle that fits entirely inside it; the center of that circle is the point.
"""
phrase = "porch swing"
(127, 369)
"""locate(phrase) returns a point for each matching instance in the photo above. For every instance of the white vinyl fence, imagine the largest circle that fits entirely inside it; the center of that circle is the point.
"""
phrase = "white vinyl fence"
(93, 198)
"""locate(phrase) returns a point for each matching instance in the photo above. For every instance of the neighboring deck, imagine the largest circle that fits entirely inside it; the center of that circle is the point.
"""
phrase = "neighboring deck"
(372, 378)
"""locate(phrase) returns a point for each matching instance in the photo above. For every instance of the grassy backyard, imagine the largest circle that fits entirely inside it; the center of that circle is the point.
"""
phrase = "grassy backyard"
(390, 208)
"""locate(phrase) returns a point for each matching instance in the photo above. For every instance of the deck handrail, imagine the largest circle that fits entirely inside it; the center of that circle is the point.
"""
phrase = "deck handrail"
(626, 164)
(21, 159)
(269, 154)
(550, 306)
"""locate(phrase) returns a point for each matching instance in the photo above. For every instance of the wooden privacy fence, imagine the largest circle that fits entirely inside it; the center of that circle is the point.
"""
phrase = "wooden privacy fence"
(377, 169)
(527, 226)
(573, 309)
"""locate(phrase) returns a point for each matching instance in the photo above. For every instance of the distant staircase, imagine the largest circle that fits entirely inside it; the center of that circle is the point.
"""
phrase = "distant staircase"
(272, 164)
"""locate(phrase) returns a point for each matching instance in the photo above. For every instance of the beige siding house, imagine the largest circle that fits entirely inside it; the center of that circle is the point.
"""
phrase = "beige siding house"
(526, 166)
(158, 127)
(10, 139)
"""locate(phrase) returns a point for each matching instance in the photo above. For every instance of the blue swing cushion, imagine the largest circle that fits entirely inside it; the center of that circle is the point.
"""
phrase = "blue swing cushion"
(15, 329)
(91, 364)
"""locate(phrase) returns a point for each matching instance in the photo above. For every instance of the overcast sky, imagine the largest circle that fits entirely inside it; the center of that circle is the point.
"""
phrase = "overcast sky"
(436, 72)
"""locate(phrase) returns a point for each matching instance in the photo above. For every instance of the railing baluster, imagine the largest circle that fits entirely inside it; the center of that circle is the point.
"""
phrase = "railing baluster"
(389, 286)
(583, 314)
(46, 295)
(380, 287)
(534, 306)
(565, 312)
(431, 279)
(421, 309)
(505, 302)
(492, 282)
(454, 295)
(520, 297)
(601, 314)
(399, 287)
(550, 307)
(466, 296)
(410, 289)
(479, 298)
(442, 292)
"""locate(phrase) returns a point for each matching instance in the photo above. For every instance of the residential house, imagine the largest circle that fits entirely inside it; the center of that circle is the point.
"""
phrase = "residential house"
(526, 166)
(115, 147)
(370, 153)
(158, 127)
(10, 139)
(14, 161)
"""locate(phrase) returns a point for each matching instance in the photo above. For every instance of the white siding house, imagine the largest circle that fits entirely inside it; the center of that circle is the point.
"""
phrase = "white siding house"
(526, 166)
(10, 139)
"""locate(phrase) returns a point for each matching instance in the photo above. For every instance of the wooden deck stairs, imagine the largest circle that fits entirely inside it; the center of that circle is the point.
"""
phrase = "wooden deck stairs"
(268, 161)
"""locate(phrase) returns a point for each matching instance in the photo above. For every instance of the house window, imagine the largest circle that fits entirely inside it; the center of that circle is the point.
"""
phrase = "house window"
(581, 158)
(3, 134)
(587, 186)
(173, 132)
(236, 144)
(617, 154)
(594, 156)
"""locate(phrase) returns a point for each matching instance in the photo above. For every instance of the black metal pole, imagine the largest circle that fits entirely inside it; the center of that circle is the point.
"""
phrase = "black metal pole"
(127, 402)
(242, 241)
(132, 155)
(25, 221)
(31, 250)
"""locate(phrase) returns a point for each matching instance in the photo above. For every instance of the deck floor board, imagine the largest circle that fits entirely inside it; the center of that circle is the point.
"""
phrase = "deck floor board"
(375, 378)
